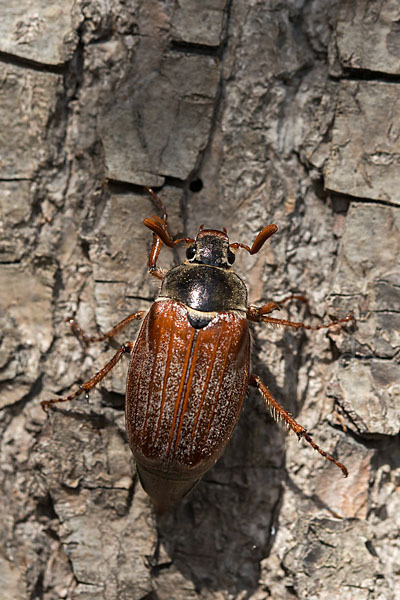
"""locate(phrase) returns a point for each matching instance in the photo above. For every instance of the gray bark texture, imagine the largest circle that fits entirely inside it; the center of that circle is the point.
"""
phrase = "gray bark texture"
(240, 113)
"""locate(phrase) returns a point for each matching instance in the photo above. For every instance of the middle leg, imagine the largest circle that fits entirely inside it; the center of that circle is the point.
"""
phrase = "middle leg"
(259, 314)
(90, 339)
(93, 381)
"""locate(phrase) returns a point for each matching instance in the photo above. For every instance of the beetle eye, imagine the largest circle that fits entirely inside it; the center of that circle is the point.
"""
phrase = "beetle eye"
(191, 252)
(231, 257)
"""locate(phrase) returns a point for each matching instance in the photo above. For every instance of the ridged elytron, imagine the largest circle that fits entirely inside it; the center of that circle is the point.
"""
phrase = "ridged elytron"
(190, 365)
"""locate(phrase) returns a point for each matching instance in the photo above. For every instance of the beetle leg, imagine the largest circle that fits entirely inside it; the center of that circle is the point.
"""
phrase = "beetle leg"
(298, 297)
(162, 235)
(153, 256)
(278, 412)
(88, 385)
(157, 243)
(88, 339)
(258, 315)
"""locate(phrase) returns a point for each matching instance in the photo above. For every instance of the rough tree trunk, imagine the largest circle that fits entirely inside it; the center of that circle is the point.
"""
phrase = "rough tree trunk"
(242, 113)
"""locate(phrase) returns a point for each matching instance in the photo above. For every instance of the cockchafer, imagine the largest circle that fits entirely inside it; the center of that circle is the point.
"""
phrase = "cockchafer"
(190, 365)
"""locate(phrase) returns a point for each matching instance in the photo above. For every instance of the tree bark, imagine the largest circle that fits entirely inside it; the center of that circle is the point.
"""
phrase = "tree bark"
(240, 114)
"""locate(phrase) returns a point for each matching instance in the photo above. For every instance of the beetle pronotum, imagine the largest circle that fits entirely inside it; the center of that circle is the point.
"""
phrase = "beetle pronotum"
(190, 365)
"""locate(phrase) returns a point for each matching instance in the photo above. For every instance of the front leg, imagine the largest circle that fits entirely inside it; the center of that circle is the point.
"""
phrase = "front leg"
(279, 413)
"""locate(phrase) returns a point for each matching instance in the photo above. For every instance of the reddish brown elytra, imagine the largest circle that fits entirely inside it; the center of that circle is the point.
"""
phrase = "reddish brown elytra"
(190, 365)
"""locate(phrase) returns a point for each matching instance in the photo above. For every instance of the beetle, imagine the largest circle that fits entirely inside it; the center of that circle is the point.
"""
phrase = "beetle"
(190, 365)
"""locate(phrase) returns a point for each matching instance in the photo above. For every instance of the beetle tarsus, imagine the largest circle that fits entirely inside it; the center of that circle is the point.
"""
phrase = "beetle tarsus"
(303, 434)
(157, 201)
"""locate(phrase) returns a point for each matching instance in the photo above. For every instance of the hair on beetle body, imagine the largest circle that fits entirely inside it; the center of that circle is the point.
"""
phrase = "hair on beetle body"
(190, 364)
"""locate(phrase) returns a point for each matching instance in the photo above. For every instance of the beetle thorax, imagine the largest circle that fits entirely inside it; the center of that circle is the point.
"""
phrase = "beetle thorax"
(205, 288)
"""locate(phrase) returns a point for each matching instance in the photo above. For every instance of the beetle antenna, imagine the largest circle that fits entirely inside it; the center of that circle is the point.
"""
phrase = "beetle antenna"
(258, 243)
(160, 228)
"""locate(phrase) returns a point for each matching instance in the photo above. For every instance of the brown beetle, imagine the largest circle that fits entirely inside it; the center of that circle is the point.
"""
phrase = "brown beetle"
(190, 365)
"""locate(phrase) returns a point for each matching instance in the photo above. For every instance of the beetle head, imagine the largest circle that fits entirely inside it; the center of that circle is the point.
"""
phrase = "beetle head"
(211, 247)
